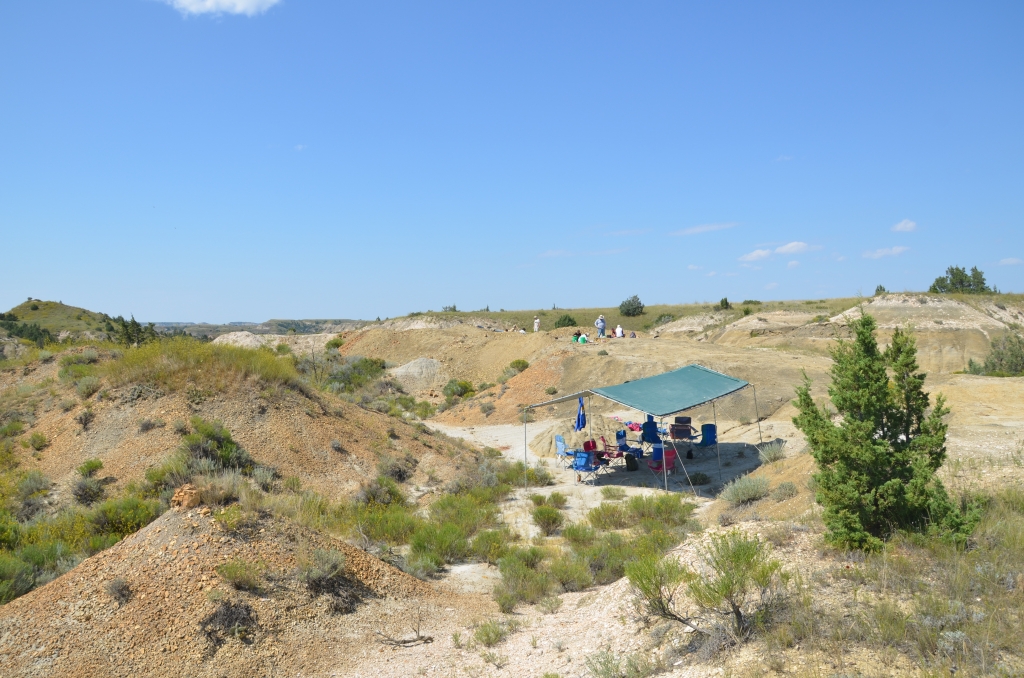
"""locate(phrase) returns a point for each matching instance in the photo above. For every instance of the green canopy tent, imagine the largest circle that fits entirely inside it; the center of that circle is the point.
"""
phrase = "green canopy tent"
(664, 395)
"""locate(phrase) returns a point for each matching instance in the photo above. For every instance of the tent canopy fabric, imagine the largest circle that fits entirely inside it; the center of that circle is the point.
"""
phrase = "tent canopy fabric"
(667, 393)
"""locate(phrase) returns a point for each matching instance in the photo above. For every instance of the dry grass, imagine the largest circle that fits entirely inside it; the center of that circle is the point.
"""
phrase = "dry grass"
(183, 363)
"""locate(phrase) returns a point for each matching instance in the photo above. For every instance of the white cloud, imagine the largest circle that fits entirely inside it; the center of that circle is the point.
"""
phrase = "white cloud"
(771, 286)
(793, 264)
(1012, 261)
(705, 228)
(905, 226)
(247, 7)
(755, 255)
(886, 252)
(694, 267)
(840, 258)
(794, 248)
(711, 274)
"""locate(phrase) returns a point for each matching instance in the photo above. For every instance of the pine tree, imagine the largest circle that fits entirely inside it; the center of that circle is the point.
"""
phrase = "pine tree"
(877, 467)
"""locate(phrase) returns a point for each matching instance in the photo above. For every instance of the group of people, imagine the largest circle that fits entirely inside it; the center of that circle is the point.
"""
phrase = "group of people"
(579, 336)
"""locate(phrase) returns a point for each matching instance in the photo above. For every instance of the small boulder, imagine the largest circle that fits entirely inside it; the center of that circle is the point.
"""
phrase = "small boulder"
(185, 497)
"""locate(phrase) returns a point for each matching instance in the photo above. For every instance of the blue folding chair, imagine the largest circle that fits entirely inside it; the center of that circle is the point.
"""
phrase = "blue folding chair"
(623, 444)
(563, 452)
(586, 468)
(708, 436)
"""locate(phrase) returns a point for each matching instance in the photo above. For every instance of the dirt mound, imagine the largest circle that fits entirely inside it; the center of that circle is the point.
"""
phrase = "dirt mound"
(167, 624)
(298, 343)
(332, 446)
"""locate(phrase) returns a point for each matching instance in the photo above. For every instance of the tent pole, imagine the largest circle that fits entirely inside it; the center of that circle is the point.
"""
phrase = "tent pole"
(664, 456)
(757, 415)
(525, 410)
(718, 450)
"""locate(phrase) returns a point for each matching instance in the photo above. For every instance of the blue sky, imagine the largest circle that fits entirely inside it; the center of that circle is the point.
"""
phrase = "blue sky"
(217, 160)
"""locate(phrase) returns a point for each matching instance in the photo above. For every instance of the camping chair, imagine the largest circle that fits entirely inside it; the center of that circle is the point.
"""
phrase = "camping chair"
(682, 430)
(623, 444)
(563, 453)
(590, 446)
(586, 468)
(611, 453)
(660, 459)
(708, 436)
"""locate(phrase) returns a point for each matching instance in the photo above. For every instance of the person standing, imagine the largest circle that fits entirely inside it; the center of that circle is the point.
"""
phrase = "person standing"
(536, 323)
(600, 325)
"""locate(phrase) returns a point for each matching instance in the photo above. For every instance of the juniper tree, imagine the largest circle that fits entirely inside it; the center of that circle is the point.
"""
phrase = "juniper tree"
(877, 466)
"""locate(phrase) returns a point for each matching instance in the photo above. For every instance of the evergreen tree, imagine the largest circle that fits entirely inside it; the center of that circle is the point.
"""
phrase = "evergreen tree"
(958, 280)
(877, 467)
(132, 333)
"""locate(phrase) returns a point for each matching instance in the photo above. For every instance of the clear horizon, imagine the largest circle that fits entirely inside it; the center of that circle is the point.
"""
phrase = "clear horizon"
(228, 159)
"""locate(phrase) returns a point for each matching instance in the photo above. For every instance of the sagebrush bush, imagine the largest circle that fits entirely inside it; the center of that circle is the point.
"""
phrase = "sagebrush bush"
(700, 478)
(571, 572)
(125, 515)
(322, 571)
(490, 633)
(607, 516)
(119, 590)
(745, 489)
(398, 468)
(551, 390)
(784, 491)
(772, 451)
(487, 408)
(86, 386)
(84, 418)
(37, 441)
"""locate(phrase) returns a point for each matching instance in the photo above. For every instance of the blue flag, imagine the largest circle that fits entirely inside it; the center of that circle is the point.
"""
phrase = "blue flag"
(581, 417)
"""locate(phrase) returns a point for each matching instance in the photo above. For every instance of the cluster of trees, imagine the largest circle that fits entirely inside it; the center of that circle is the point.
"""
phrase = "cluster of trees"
(1005, 360)
(958, 280)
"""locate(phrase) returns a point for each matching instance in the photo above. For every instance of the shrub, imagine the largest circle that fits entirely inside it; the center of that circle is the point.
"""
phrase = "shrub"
(572, 572)
(784, 491)
(87, 386)
(605, 664)
(487, 408)
(607, 516)
(37, 441)
(877, 468)
(772, 451)
(613, 493)
(119, 590)
(579, 535)
(283, 349)
(521, 580)
(700, 478)
(548, 519)
(631, 307)
(323, 571)
(490, 633)
(16, 578)
(745, 489)
(738, 580)
(1005, 359)
(382, 491)
(231, 519)
(667, 509)
(243, 575)
(565, 320)
(221, 488)
(124, 516)
(446, 542)
(11, 429)
(264, 477)
(180, 427)
(398, 469)
(491, 545)
(457, 389)
(87, 491)
(602, 352)
(33, 483)
(551, 390)
(335, 343)
(518, 365)
(880, 289)
(84, 418)
(292, 484)
(724, 304)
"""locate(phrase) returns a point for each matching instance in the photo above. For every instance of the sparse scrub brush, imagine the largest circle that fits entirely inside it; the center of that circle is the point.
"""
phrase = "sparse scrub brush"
(37, 441)
(745, 489)
(87, 386)
(487, 408)
(323, 571)
(264, 477)
(85, 417)
(784, 491)
(243, 575)
(772, 451)
(119, 590)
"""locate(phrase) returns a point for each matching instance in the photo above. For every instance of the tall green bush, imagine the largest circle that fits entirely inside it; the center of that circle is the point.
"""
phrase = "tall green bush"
(565, 320)
(877, 468)
(632, 307)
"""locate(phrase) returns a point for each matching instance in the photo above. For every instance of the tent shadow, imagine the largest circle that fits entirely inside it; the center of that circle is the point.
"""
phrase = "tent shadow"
(701, 475)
